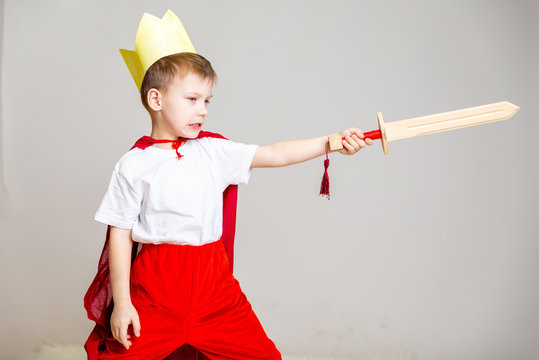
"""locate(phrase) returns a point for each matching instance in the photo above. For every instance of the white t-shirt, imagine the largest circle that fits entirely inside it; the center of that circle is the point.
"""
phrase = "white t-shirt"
(166, 200)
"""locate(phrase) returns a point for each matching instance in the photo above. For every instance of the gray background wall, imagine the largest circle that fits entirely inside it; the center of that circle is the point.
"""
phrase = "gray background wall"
(428, 253)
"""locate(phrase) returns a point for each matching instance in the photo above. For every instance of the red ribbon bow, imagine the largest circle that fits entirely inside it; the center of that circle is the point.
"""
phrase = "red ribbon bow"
(146, 141)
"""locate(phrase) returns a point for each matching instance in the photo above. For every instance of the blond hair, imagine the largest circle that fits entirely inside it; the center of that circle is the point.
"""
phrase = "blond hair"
(163, 72)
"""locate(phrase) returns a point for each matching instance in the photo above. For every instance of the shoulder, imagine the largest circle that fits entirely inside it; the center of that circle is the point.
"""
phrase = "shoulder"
(211, 141)
(132, 162)
(209, 134)
(215, 139)
(223, 150)
(220, 145)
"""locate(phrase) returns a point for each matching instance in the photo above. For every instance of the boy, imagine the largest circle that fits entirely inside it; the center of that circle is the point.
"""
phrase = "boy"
(167, 193)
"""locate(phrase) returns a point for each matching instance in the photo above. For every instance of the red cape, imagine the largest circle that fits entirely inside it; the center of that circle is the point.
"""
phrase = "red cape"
(98, 298)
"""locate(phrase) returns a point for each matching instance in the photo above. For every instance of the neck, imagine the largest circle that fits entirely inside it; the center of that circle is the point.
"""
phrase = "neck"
(161, 134)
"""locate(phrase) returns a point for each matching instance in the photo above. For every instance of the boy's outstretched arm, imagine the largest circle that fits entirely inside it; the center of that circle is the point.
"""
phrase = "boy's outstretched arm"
(296, 151)
(123, 313)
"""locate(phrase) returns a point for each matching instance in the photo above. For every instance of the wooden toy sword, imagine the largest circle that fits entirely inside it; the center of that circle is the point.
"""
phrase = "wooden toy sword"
(430, 124)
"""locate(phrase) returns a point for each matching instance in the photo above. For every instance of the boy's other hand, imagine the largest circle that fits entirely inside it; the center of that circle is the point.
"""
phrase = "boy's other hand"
(353, 141)
(122, 316)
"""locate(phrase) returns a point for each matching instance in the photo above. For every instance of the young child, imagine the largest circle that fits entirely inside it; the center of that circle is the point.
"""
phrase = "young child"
(167, 193)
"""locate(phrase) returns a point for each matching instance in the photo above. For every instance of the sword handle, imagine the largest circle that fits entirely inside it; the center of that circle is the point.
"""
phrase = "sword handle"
(336, 144)
(373, 135)
(335, 141)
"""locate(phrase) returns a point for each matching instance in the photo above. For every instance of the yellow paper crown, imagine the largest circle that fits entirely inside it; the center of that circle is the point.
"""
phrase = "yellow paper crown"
(155, 39)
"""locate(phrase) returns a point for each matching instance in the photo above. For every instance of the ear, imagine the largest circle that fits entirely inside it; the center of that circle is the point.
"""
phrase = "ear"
(153, 97)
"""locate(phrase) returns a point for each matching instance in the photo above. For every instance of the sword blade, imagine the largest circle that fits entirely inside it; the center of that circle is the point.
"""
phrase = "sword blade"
(450, 120)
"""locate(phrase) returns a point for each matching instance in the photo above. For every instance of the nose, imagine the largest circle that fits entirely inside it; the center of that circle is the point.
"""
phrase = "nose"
(203, 110)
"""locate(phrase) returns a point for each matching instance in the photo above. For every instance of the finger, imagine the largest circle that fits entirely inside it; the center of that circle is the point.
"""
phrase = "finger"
(116, 332)
(368, 141)
(350, 131)
(126, 344)
(136, 325)
(360, 142)
(344, 133)
(360, 134)
(352, 143)
(123, 336)
(357, 143)
(349, 148)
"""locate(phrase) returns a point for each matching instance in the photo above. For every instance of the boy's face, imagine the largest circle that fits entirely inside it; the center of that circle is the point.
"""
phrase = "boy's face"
(184, 106)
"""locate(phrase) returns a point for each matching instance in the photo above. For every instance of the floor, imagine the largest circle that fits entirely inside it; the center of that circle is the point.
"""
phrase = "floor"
(76, 352)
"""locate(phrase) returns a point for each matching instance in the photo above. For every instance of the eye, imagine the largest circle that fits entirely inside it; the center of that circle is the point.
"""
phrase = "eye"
(207, 101)
(192, 99)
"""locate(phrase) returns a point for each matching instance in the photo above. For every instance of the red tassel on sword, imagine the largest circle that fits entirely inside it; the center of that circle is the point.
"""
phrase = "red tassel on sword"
(324, 187)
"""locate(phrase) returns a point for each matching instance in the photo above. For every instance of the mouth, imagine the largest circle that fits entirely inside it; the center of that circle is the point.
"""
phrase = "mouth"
(196, 126)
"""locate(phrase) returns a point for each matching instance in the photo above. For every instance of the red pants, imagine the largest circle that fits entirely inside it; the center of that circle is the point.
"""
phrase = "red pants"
(188, 295)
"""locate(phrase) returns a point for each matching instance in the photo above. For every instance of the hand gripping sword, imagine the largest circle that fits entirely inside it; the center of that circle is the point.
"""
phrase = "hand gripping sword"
(431, 124)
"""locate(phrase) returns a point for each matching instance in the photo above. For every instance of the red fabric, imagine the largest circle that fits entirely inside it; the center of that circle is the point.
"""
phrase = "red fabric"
(146, 141)
(324, 186)
(98, 298)
(187, 295)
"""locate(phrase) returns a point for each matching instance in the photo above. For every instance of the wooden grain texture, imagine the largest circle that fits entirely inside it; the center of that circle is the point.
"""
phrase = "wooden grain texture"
(450, 120)
(335, 142)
